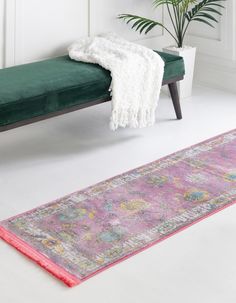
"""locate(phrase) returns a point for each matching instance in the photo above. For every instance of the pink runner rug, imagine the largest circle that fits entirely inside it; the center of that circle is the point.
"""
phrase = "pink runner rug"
(77, 236)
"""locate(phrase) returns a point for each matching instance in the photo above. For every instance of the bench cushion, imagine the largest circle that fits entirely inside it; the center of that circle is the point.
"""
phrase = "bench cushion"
(35, 89)
(174, 66)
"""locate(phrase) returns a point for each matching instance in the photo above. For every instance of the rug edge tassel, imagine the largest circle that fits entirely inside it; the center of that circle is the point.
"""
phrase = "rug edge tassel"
(27, 250)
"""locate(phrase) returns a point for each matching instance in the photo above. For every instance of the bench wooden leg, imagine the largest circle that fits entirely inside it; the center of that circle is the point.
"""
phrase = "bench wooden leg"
(175, 99)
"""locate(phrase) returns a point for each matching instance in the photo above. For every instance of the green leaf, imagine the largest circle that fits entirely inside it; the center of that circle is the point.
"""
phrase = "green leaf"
(140, 23)
(157, 3)
(150, 27)
(181, 14)
(203, 11)
(204, 21)
(207, 16)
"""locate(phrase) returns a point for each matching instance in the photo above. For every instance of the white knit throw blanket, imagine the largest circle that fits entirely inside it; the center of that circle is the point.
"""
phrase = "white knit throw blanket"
(136, 73)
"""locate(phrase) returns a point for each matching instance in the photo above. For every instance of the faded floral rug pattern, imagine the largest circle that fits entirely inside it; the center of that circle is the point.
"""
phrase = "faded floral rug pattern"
(87, 231)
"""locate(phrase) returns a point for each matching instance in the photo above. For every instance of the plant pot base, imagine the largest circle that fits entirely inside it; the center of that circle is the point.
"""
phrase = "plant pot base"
(188, 53)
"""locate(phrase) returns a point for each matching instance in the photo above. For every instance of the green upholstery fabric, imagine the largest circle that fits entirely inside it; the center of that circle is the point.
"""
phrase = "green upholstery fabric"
(174, 66)
(36, 89)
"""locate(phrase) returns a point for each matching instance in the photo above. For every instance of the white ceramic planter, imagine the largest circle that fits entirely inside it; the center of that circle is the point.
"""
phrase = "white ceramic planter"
(188, 53)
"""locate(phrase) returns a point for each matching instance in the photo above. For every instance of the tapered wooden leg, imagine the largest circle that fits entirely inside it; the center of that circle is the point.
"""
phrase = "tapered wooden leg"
(175, 99)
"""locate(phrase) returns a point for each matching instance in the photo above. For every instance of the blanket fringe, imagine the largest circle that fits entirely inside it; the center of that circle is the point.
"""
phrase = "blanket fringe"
(134, 118)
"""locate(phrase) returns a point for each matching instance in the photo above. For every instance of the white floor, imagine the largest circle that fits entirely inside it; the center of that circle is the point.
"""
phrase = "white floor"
(46, 160)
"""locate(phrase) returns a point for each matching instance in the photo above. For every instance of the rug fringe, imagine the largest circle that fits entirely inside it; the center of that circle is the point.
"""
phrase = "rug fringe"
(69, 279)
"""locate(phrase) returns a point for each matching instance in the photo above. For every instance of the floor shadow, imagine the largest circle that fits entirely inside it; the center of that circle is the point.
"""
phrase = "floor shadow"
(71, 134)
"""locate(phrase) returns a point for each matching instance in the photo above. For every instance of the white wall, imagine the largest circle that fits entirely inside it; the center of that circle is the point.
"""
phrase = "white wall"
(216, 55)
(38, 29)
(1, 32)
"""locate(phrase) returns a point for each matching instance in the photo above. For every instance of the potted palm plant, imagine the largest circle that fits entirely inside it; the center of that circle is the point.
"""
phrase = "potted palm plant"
(181, 14)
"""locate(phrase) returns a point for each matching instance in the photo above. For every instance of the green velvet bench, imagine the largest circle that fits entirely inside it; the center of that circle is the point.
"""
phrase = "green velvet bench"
(37, 91)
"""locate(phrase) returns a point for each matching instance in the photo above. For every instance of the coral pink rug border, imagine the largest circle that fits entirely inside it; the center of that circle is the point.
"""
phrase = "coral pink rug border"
(69, 279)
(39, 258)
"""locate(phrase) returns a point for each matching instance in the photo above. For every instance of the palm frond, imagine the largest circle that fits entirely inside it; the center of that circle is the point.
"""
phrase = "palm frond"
(157, 3)
(140, 24)
(202, 12)
(184, 5)
(180, 14)
(143, 25)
